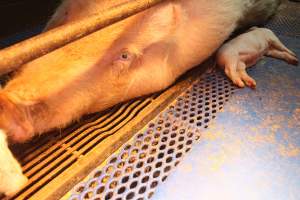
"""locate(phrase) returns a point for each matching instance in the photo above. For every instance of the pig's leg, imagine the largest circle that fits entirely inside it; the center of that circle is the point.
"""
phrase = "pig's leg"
(248, 80)
(278, 50)
(231, 63)
(236, 71)
(12, 178)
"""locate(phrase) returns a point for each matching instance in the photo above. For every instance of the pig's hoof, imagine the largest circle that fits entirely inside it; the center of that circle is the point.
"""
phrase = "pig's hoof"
(14, 185)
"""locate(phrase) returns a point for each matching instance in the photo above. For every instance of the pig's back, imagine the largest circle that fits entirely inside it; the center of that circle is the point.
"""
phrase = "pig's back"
(72, 10)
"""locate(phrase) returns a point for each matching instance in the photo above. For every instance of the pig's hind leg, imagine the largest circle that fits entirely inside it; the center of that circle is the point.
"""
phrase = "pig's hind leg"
(278, 50)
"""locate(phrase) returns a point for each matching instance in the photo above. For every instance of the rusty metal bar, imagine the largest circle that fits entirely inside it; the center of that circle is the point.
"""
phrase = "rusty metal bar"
(28, 50)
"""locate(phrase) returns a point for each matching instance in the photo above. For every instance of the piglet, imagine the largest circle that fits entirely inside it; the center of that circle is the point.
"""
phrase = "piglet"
(246, 50)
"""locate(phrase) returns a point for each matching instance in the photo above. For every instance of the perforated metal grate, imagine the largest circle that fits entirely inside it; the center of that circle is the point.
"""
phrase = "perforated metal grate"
(200, 104)
(146, 160)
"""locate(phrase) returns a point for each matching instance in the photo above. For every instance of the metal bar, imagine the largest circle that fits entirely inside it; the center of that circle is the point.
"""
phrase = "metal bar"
(28, 50)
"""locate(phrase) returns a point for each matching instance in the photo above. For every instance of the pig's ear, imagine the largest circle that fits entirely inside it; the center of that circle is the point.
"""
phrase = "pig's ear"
(59, 17)
(162, 24)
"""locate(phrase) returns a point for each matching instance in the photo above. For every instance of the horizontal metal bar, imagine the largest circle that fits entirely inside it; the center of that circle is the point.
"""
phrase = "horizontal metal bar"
(35, 47)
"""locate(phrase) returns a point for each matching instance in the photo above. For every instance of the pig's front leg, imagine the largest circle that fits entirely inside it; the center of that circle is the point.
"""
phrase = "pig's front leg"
(246, 50)
(235, 69)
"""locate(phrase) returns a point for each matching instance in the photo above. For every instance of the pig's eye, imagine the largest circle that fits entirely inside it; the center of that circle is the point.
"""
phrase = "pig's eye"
(124, 60)
(126, 56)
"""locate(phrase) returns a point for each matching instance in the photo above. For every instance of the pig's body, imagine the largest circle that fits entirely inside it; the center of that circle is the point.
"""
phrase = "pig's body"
(140, 55)
(246, 50)
(85, 77)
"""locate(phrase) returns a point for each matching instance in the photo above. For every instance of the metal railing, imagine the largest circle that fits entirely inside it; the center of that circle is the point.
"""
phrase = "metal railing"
(35, 47)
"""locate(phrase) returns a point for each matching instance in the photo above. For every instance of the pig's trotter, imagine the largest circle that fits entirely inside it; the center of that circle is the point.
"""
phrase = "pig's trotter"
(230, 63)
(248, 80)
(11, 176)
(232, 71)
(239, 76)
(235, 70)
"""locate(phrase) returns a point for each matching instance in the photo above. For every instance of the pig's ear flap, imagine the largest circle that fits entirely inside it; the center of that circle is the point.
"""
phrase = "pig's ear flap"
(59, 17)
(160, 25)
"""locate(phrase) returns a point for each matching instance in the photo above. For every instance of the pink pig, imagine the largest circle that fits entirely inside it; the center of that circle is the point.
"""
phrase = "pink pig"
(139, 55)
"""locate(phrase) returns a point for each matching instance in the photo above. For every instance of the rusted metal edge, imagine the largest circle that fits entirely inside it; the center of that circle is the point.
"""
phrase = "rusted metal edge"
(35, 47)
(64, 183)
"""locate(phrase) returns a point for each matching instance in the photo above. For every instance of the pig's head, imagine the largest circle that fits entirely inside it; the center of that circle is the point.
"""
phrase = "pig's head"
(125, 60)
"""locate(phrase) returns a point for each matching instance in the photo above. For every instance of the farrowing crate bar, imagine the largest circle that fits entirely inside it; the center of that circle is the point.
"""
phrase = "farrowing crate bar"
(28, 50)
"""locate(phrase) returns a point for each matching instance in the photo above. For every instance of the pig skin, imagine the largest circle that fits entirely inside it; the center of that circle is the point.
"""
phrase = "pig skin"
(246, 50)
(140, 55)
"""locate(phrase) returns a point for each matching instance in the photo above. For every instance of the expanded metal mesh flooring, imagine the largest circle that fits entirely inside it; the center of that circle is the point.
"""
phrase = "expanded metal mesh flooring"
(144, 162)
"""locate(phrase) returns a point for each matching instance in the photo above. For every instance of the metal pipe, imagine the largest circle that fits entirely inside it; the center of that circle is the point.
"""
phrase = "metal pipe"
(35, 47)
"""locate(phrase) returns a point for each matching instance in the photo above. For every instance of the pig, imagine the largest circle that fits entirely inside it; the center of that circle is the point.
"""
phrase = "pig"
(140, 55)
(246, 50)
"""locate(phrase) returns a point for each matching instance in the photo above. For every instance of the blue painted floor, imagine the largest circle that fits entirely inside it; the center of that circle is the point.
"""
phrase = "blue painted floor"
(252, 149)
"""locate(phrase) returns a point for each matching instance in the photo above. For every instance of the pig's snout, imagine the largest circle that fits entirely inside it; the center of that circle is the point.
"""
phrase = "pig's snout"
(11, 176)
(15, 127)
(14, 120)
